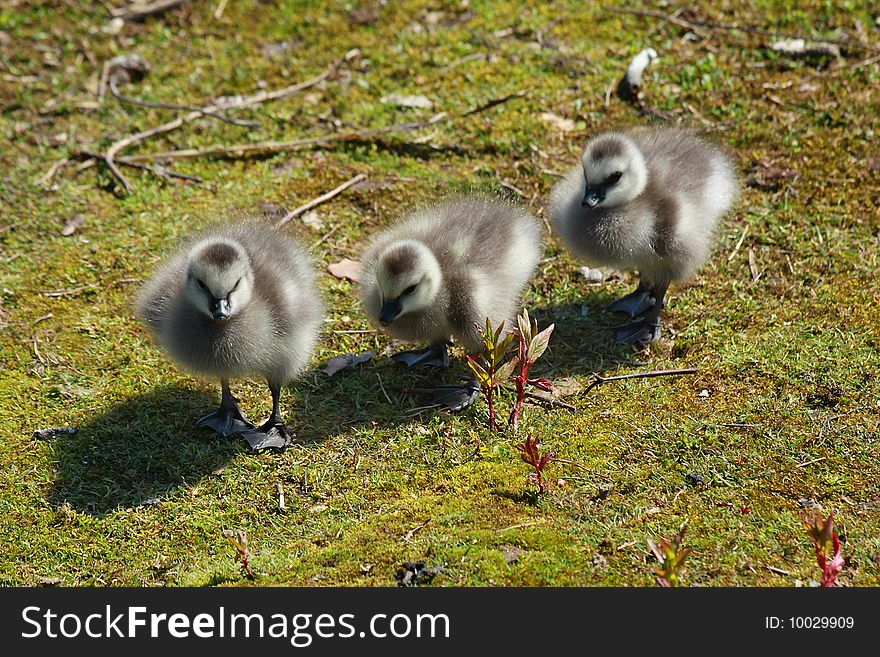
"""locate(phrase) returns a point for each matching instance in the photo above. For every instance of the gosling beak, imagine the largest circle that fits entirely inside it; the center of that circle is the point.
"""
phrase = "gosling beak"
(591, 199)
(390, 310)
(220, 310)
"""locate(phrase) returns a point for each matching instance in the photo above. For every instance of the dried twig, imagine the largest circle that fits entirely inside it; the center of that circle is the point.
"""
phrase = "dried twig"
(69, 292)
(738, 244)
(321, 199)
(137, 11)
(247, 101)
(90, 158)
(598, 379)
(552, 401)
(748, 29)
(243, 150)
(46, 178)
(262, 148)
(140, 102)
(279, 489)
(218, 12)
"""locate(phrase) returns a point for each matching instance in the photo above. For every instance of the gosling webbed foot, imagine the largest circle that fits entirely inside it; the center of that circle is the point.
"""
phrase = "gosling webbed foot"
(634, 304)
(271, 435)
(430, 357)
(640, 332)
(226, 421)
(456, 397)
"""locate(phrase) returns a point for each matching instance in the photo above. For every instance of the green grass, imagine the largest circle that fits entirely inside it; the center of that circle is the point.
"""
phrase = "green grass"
(366, 487)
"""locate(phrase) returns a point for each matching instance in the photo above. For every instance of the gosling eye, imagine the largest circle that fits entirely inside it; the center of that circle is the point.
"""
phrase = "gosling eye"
(235, 287)
(202, 284)
(409, 290)
(613, 178)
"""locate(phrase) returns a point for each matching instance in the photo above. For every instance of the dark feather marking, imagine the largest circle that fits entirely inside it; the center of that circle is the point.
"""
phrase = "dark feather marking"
(399, 260)
(219, 254)
(606, 148)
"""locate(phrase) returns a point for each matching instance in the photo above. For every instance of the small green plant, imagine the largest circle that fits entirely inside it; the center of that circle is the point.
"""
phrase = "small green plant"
(492, 368)
(671, 556)
(530, 453)
(530, 346)
(826, 544)
(489, 366)
(239, 540)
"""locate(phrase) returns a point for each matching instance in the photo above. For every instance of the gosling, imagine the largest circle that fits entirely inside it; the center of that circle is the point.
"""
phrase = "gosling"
(444, 270)
(235, 301)
(645, 200)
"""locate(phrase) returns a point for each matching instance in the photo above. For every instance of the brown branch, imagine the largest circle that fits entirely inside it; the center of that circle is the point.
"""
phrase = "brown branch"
(598, 379)
(496, 101)
(47, 177)
(89, 159)
(138, 11)
(140, 102)
(321, 199)
(748, 29)
(238, 150)
(243, 150)
(552, 401)
(247, 101)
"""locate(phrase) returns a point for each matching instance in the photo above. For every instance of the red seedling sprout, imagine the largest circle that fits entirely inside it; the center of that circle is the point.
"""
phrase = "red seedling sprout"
(239, 540)
(531, 454)
(530, 345)
(825, 543)
(671, 556)
(489, 367)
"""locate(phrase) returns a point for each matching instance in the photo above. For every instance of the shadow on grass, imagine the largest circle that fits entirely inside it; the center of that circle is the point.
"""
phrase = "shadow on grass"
(137, 451)
(583, 341)
(378, 394)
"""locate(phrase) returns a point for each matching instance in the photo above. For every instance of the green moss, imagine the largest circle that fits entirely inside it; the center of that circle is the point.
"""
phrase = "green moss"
(366, 487)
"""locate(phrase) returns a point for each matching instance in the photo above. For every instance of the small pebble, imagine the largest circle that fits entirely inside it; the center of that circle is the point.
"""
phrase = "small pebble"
(591, 276)
(53, 432)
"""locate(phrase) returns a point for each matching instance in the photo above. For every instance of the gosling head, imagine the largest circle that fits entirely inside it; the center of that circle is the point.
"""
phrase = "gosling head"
(614, 171)
(219, 279)
(409, 278)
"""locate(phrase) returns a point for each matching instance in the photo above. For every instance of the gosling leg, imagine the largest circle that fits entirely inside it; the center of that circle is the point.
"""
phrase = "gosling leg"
(272, 433)
(635, 303)
(227, 419)
(434, 356)
(646, 328)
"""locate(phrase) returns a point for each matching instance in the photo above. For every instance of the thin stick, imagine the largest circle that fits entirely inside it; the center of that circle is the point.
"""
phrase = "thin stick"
(140, 102)
(639, 375)
(162, 172)
(69, 292)
(321, 199)
(551, 401)
(412, 532)
(243, 150)
(738, 244)
(55, 168)
(778, 571)
(748, 29)
(280, 490)
(521, 525)
(219, 11)
(325, 237)
(139, 10)
(155, 169)
(382, 387)
(247, 101)
(496, 101)
(239, 150)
